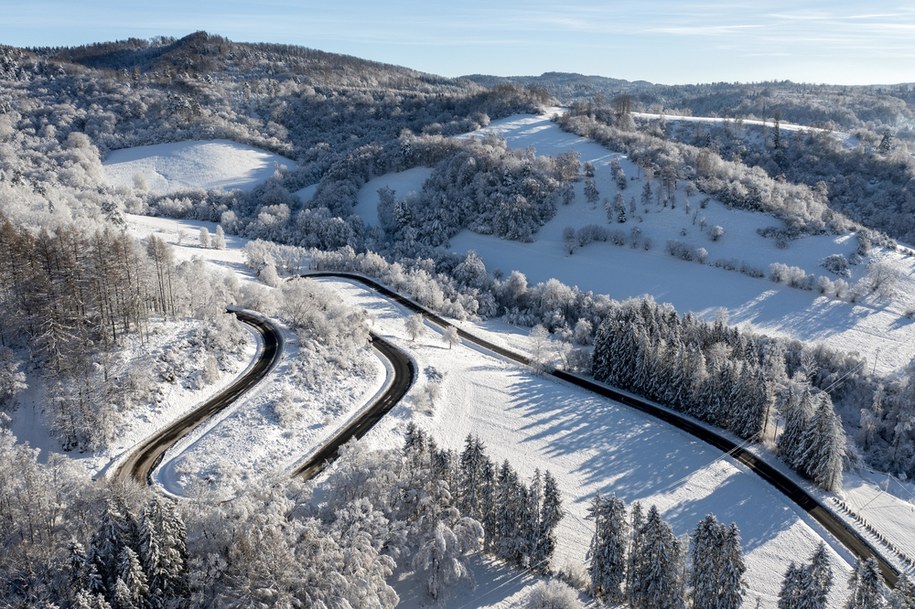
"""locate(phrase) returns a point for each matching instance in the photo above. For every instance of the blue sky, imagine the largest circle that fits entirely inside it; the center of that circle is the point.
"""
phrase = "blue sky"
(667, 41)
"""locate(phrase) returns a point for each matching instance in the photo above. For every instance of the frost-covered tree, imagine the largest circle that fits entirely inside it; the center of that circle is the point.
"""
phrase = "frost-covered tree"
(807, 586)
(12, 379)
(607, 553)
(866, 586)
(657, 579)
(553, 594)
(591, 192)
(441, 560)
(219, 239)
(619, 176)
(551, 513)
(204, 237)
(451, 337)
(131, 575)
(903, 594)
(414, 325)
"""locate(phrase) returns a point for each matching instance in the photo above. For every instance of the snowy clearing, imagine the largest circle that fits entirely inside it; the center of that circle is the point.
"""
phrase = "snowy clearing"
(192, 165)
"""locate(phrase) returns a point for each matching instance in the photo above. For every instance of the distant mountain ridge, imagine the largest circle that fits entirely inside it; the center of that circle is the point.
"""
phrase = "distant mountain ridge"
(830, 106)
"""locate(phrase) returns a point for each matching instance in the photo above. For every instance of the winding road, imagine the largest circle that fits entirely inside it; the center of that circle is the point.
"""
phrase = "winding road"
(404, 375)
(837, 527)
(141, 463)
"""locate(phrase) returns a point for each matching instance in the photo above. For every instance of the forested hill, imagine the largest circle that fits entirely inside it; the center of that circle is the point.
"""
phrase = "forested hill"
(207, 56)
(313, 107)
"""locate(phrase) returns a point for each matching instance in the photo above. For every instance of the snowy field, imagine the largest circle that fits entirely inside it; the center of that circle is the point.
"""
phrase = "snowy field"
(878, 331)
(269, 430)
(191, 165)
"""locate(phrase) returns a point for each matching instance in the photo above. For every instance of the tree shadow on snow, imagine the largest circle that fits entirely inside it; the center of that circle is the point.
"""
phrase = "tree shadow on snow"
(633, 454)
(636, 457)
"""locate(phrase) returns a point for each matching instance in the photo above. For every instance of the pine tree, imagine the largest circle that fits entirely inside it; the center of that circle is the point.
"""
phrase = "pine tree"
(469, 488)
(820, 579)
(634, 558)
(607, 553)
(531, 524)
(90, 600)
(732, 584)
(163, 553)
(798, 410)
(79, 567)
(130, 573)
(109, 540)
(488, 498)
(823, 446)
(551, 513)
(793, 585)
(657, 579)
(866, 586)
(903, 595)
(706, 572)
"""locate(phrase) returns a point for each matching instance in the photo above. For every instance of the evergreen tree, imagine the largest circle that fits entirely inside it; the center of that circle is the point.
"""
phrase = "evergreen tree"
(634, 558)
(866, 586)
(488, 501)
(130, 573)
(657, 579)
(551, 513)
(108, 542)
(531, 523)
(90, 600)
(607, 553)
(470, 487)
(820, 579)
(704, 578)
(732, 583)
(793, 585)
(903, 595)
(163, 553)
(823, 446)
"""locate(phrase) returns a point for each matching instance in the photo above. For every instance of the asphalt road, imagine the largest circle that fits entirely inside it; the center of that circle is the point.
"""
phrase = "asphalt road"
(837, 527)
(404, 375)
(143, 461)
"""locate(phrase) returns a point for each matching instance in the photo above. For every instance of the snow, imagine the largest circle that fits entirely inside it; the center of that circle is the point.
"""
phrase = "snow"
(589, 443)
(172, 401)
(192, 165)
(593, 445)
(875, 330)
(249, 439)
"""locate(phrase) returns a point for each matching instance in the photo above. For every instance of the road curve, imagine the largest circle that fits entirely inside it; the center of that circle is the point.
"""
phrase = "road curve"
(837, 527)
(404, 376)
(140, 464)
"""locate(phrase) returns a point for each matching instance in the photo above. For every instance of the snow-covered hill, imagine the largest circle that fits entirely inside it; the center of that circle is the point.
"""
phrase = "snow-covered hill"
(877, 329)
(193, 165)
